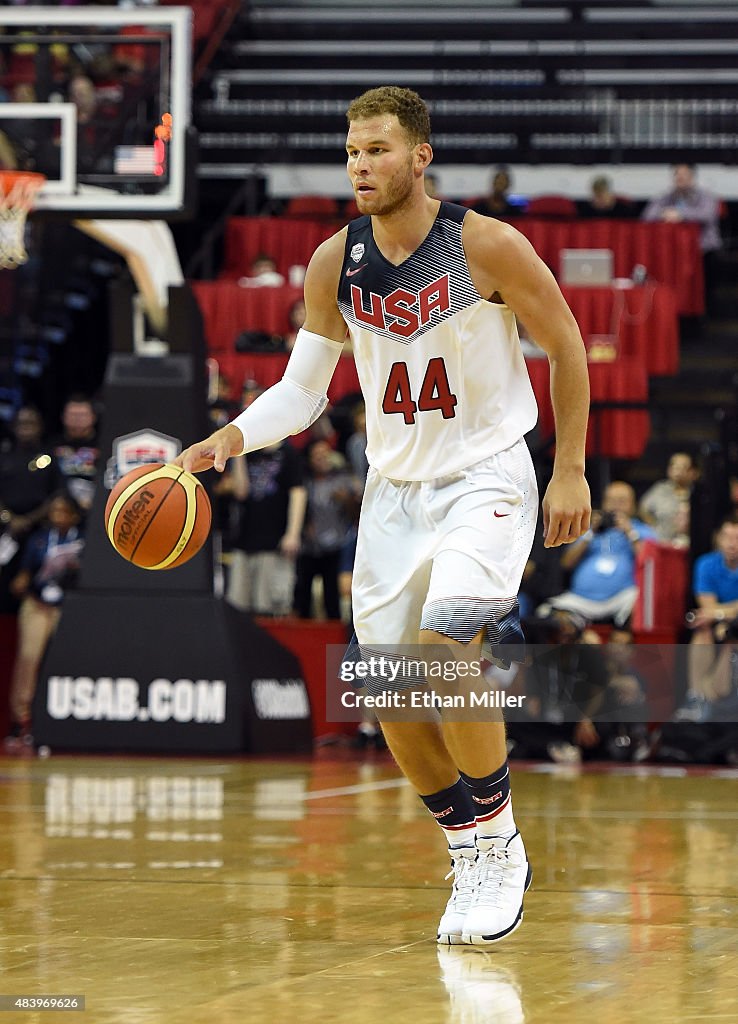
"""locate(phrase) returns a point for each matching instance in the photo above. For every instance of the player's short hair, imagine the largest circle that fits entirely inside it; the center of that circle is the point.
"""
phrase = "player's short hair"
(406, 105)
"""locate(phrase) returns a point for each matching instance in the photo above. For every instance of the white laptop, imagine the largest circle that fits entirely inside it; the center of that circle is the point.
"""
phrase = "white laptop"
(586, 266)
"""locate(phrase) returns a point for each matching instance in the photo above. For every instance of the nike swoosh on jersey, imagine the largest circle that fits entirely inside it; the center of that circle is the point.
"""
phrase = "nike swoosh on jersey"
(350, 273)
(501, 515)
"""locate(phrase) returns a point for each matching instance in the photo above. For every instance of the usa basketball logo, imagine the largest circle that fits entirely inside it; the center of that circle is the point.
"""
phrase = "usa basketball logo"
(357, 252)
(138, 449)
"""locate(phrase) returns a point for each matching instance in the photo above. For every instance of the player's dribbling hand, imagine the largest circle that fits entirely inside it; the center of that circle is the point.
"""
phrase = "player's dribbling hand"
(567, 509)
(213, 452)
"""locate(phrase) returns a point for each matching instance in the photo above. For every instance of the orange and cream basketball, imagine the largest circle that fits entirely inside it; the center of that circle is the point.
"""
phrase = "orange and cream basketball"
(157, 516)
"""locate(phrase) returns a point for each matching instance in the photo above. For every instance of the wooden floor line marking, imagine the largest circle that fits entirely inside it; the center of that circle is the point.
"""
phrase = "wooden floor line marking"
(361, 787)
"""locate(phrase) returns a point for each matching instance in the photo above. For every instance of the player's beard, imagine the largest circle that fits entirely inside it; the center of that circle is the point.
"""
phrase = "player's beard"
(397, 194)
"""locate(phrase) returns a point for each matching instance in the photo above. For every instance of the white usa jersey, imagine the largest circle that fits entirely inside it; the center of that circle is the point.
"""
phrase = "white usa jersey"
(443, 376)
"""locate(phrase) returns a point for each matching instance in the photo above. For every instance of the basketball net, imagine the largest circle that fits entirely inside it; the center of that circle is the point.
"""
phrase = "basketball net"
(17, 195)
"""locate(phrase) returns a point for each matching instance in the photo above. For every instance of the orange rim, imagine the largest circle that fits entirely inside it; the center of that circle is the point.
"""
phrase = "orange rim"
(18, 191)
(10, 178)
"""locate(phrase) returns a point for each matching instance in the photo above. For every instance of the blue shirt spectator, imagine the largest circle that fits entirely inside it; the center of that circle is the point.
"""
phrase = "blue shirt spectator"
(709, 668)
(609, 564)
(687, 202)
(713, 575)
(603, 586)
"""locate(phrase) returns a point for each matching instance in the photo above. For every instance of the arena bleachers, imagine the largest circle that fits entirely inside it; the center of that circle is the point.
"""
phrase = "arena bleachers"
(538, 82)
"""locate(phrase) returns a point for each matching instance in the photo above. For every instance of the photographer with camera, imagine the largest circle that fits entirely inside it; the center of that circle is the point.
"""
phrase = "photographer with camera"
(713, 621)
(602, 561)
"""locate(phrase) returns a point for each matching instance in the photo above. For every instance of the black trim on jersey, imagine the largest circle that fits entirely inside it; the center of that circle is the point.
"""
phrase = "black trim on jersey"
(402, 302)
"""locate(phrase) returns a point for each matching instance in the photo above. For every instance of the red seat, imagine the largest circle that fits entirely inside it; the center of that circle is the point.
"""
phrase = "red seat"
(552, 206)
(315, 207)
(351, 210)
(662, 575)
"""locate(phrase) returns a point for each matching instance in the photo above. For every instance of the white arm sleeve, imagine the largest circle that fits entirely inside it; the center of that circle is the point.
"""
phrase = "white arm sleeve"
(296, 401)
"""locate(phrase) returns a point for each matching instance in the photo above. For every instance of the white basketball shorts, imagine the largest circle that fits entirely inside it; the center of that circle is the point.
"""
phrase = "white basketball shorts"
(447, 554)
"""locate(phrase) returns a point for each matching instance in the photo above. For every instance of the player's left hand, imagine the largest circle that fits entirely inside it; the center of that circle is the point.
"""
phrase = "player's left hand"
(213, 452)
(567, 508)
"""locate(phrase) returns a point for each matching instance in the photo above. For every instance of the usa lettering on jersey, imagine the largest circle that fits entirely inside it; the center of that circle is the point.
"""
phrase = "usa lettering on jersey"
(402, 312)
(428, 347)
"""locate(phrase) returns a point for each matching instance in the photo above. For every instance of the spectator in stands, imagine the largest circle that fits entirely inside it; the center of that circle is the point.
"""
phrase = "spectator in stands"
(222, 408)
(93, 151)
(603, 586)
(542, 577)
(24, 92)
(49, 567)
(686, 201)
(603, 202)
(334, 495)
(497, 203)
(359, 466)
(29, 475)
(564, 683)
(621, 716)
(584, 700)
(250, 391)
(662, 504)
(77, 451)
(272, 497)
(715, 586)
(296, 316)
(682, 519)
(356, 444)
(263, 273)
(81, 92)
(29, 145)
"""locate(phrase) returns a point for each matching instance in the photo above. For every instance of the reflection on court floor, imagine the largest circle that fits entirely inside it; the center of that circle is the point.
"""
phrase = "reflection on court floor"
(197, 891)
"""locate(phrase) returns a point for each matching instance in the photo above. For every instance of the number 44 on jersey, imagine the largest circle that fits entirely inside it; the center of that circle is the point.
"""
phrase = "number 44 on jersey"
(435, 392)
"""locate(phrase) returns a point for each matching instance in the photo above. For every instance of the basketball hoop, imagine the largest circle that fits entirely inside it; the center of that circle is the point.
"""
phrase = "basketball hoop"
(17, 194)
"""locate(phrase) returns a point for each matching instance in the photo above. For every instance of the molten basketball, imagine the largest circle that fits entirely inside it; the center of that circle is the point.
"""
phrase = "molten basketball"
(157, 516)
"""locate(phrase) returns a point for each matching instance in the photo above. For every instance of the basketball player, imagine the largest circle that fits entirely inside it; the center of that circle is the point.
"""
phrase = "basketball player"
(429, 292)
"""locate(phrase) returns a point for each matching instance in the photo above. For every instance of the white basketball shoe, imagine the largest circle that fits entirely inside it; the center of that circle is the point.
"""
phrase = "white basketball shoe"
(502, 876)
(463, 870)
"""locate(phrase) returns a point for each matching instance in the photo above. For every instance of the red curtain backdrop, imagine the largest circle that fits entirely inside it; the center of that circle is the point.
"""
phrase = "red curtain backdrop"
(644, 320)
(617, 433)
(670, 252)
(228, 309)
(288, 241)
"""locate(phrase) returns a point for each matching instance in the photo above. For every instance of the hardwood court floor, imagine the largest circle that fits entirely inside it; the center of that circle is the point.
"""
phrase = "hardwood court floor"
(200, 892)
